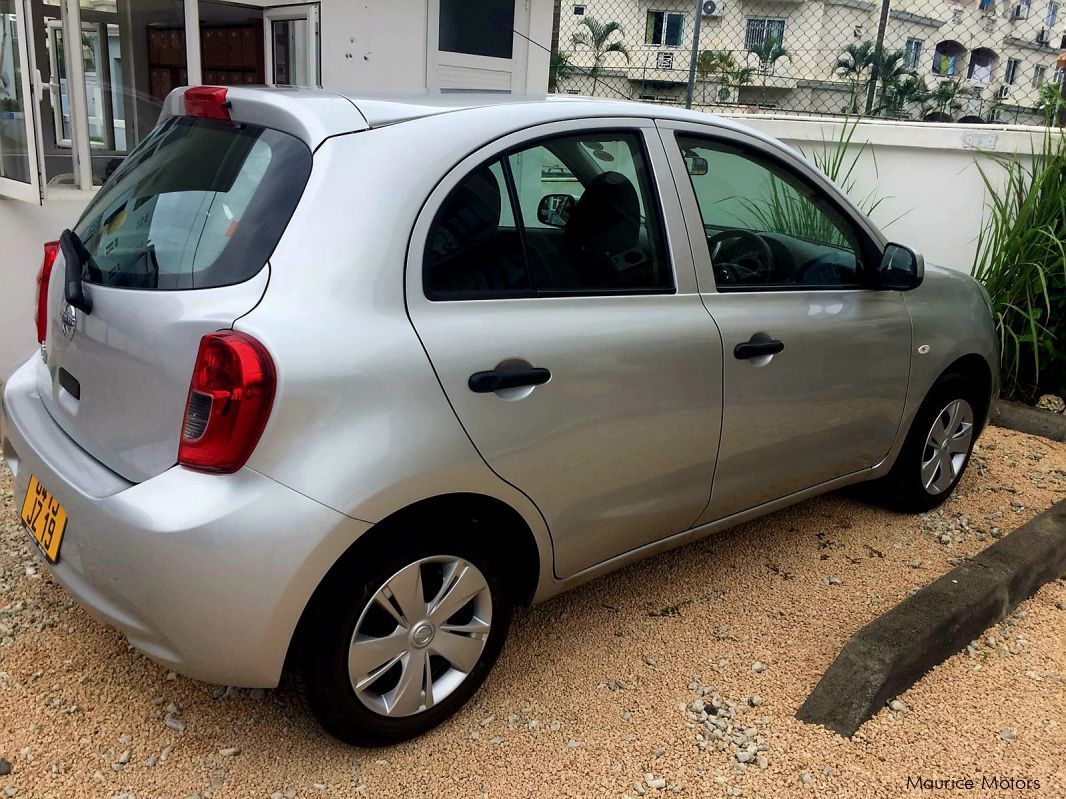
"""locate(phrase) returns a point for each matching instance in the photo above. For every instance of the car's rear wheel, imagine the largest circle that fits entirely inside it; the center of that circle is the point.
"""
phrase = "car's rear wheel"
(937, 450)
(398, 639)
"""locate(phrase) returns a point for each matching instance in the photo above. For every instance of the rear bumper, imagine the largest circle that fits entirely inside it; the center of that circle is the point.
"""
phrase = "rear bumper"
(206, 574)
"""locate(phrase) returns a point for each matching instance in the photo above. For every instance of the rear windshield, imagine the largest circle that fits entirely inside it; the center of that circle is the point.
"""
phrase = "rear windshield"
(199, 204)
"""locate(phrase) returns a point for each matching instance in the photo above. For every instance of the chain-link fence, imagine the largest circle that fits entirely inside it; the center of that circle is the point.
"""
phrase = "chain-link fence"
(936, 60)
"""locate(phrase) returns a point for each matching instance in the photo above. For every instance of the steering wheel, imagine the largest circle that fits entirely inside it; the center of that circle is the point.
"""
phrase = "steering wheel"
(740, 256)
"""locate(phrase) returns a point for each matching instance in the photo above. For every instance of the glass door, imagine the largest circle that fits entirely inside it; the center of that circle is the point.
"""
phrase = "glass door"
(292, 51)
(19, 177)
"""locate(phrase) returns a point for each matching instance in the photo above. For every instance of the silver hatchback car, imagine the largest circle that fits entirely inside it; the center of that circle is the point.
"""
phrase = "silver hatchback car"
(327, 385)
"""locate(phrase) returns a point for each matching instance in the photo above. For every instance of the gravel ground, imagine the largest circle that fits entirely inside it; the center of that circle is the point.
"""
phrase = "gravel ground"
(602, 692)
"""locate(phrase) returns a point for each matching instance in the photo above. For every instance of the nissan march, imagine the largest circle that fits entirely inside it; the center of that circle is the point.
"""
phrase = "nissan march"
(328, 385)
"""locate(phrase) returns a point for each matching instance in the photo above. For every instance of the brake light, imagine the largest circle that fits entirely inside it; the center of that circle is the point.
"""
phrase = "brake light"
(208, 102)
(230, 397)
(51, 249)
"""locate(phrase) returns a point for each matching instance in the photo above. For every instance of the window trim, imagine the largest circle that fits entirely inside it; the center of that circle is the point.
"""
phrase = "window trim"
(867, 243)
(666, 25)
(503, 156)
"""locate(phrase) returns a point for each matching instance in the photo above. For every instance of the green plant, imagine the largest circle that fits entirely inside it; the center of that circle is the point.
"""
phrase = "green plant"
(900, 95)
(596, 36)
(855, 66)
(944, 99)
(769, 52)
(1021, 262)
(713, 62)
(787, 210)
(559, 68)
(733, 79)
(892, 73)
(1051, 102)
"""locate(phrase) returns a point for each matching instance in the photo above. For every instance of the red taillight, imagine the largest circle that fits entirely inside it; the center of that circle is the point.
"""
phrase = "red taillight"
(208, 102)
(51, 249)
(229, 402)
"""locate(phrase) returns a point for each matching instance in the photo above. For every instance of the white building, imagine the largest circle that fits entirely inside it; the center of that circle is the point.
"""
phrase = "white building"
(999, 51)
(70, 127)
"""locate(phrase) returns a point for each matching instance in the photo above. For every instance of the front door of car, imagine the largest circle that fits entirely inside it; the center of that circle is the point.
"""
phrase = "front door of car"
(815, 361)
(570, 337)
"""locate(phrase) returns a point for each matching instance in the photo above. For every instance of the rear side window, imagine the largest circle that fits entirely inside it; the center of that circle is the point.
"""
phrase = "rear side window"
(199, 204)
(568, 215)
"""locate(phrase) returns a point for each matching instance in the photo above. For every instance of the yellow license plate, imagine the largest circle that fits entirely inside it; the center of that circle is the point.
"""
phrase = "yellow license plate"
(45, 518)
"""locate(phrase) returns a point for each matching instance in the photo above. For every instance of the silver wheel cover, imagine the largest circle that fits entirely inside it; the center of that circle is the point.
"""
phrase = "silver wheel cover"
(947, 447)
(409, 652)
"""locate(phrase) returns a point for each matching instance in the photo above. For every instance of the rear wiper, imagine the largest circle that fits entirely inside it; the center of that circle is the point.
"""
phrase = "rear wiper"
(76, 257)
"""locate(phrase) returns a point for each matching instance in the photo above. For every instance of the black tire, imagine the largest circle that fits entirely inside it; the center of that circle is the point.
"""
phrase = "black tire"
(903, 488)
(319, 666)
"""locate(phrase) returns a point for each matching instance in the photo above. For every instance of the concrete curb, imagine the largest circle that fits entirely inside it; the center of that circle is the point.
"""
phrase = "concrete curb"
(889, 654)
(1016, 416)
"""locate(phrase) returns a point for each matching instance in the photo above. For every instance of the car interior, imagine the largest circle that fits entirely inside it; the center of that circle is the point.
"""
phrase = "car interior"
(765, 226)
(600, 241)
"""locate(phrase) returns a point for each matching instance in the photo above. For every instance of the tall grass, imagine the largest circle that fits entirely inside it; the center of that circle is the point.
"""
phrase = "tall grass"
(1021, 262)
(787, 209)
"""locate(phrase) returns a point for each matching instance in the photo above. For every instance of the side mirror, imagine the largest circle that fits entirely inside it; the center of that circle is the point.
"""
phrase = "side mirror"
(696, 165)
(554, 209)
(902, 268)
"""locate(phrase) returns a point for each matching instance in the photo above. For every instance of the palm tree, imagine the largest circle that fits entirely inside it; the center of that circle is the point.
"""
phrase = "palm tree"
(733, 79)
(595, 36)
(769, 52)
(944, 99)
(559, 68)
(891, 71)
(713, 62)
(855, 66)
(900, 94)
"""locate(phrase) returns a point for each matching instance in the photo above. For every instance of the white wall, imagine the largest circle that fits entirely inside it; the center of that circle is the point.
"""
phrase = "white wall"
(23, 230)
(928, 175)
(934, 200)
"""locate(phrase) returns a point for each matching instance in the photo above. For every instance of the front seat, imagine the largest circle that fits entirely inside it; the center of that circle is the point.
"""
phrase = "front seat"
(604, 223)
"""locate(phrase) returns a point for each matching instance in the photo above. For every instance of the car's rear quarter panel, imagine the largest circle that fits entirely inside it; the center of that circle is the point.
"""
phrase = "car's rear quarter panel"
(360, 422)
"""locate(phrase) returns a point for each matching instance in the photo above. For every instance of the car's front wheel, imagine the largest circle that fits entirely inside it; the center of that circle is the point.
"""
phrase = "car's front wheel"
(937, 450)
(399, 638)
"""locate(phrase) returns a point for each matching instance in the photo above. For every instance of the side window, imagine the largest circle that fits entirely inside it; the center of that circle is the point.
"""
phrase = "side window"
(568, 215)
(765, 226)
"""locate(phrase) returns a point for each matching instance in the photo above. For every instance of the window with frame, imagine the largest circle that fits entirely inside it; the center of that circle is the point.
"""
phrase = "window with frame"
(1039, 76)
(579, 11)
(1010, 74)
(912, 53)
(766, 227)
(759, 29)
(1052, 14)
(664, 28)
(566, 215)
(477, 27)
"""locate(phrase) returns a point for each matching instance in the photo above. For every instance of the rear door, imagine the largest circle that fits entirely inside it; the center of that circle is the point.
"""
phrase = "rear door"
(572, 342)
(177, 242)
(816, 361)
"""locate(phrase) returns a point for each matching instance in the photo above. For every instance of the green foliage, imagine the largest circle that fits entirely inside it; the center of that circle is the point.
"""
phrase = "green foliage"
(1021, 262)
(559, 68)
(786, 209)
(1051, 102)
(769, 52)
(597, 37)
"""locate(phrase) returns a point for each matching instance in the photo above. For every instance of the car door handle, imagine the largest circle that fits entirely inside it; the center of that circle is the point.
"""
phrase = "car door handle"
(753, 349)
(499, 379)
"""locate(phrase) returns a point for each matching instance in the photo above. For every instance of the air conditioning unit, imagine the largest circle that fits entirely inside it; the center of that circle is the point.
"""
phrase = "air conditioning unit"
(664, 60)
(1043, 37)
(711, 8)
(1004, 93)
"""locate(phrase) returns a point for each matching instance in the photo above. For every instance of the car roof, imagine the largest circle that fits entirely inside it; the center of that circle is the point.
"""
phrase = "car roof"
(314, 115)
